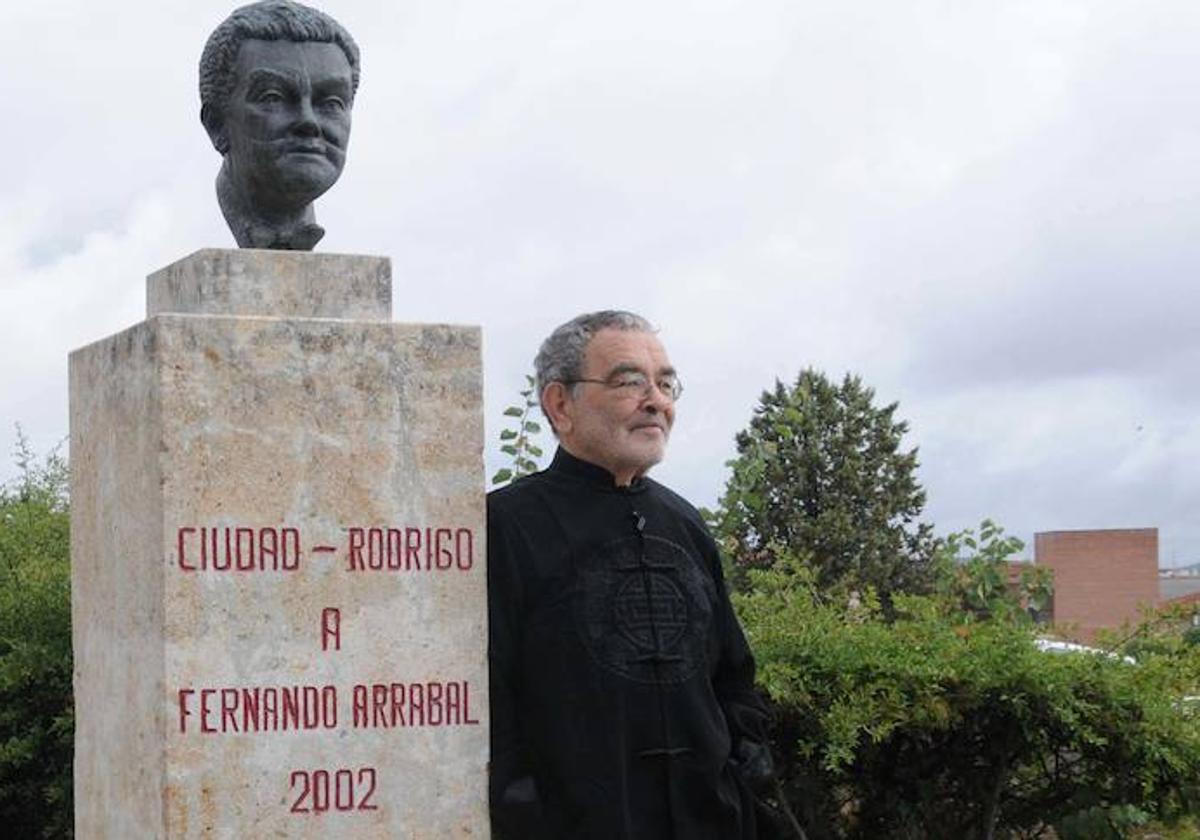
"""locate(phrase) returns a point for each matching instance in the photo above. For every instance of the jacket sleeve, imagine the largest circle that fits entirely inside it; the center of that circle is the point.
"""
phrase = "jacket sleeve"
(733, 680)
(512, 791)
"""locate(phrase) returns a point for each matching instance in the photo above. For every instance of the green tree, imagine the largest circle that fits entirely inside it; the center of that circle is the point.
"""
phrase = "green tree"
(821, 473)
(36, 711)
(972, 571)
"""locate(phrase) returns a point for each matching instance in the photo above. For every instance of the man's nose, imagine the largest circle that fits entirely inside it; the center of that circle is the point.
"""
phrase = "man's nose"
(655, 400)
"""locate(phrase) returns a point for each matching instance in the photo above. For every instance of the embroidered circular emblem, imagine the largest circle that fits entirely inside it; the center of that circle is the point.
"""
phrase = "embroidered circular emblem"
(645, 618)
(650, 610)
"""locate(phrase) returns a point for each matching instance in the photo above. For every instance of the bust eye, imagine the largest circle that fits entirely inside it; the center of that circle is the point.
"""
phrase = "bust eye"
(270, 96)
(333, 103)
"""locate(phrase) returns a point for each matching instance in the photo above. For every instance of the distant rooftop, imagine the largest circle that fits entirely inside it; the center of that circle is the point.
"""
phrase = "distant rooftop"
(1181, 571)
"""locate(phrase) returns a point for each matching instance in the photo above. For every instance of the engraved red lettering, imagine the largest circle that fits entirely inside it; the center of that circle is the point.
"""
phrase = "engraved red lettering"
(445, 558)
(270, 701)
(184, 693)
(379, 702)
(359, 705)
(229, 705)
(466, 691)
(250, 705)
(205, 726)
(290, 717)
(309, 706)
(343, 790)
(453, 704)
(313, 794)
(395, 548)
(416, 704)
(412, 558)
(369, 774)
(290, 549)
(245, 559)
(375, 548)
(320, 791)
(433, 700)
(183, 564)
(297, 807)
(224, 562)
(329, 707)
(465, 558)
(354, 555)
(331, 628)
(268, 549)
(398, 704)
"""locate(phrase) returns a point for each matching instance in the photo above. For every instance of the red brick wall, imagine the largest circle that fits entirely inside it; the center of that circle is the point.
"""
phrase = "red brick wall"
(1101, 578)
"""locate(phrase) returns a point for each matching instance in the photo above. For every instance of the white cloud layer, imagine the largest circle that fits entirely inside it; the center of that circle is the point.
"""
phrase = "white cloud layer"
(987, 210)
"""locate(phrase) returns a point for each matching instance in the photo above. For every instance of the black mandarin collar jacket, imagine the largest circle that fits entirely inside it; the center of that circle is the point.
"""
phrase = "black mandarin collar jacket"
(620, 679)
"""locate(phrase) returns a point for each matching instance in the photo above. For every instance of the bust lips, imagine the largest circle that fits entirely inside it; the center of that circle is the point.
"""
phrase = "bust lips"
(306, 149)
(311, 147)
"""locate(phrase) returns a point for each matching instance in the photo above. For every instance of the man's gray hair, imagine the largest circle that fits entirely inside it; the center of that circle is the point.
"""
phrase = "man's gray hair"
(560, 358)
(267, 20)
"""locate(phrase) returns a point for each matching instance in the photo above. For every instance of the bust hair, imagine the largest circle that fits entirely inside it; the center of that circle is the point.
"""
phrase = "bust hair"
(560, 358)
(267, 20)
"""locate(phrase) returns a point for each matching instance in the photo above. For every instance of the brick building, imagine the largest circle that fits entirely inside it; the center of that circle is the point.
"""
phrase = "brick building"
(1101, 578)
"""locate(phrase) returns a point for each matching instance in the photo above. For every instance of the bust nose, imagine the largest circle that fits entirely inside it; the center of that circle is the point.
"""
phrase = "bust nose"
(305, 124)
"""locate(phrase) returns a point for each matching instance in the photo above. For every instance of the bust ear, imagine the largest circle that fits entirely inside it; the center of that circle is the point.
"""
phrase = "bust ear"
(214, 124)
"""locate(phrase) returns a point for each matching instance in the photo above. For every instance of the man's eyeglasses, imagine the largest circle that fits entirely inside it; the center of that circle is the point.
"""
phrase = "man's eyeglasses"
(637, 384)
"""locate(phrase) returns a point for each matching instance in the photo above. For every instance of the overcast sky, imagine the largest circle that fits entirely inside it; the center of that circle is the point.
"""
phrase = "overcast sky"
(988, 210)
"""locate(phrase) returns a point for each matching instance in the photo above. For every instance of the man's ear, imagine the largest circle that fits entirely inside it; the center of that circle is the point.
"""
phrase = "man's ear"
(557, 405)
(214, 124)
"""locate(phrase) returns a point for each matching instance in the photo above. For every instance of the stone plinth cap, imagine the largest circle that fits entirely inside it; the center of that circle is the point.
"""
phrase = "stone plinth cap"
(283, 284)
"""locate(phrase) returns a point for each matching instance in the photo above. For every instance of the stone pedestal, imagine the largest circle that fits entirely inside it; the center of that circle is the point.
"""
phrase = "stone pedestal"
(278, 561)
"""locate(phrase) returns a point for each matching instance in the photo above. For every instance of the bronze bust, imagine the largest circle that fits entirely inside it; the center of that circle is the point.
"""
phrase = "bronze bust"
(277, 84)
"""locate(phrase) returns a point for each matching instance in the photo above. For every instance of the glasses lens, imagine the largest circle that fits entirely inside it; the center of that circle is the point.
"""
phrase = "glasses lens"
(669, 386)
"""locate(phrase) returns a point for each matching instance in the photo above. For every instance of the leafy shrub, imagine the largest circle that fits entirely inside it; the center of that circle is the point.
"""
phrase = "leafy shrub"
(36, 711)
(947, 721)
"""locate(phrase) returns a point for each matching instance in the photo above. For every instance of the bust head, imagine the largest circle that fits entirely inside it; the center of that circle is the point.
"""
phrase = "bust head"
(277, 83)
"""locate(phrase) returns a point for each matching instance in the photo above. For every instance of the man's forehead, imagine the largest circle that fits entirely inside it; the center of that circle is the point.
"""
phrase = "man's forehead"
(614, 349)
(315, 59)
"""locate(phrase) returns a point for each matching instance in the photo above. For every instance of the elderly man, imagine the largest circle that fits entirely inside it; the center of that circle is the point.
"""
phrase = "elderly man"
(623, 705)
(277, 82)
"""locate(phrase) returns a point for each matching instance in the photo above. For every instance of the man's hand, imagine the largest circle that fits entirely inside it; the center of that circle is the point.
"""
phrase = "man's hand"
(754, 765)
(519, 812)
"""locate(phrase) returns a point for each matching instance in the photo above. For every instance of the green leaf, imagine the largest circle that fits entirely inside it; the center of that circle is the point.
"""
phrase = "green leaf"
(508, 434)
(502, 476)
(513, 411)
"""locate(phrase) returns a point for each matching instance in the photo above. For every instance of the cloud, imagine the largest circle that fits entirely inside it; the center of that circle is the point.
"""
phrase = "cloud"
(986, 210)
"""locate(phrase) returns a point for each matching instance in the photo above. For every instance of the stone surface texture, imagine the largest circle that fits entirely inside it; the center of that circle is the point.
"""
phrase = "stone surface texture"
(322, 428)
(220, 281)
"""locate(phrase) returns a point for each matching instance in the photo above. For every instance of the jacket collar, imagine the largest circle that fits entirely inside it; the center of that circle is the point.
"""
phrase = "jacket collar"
(566, 464)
